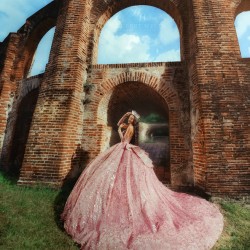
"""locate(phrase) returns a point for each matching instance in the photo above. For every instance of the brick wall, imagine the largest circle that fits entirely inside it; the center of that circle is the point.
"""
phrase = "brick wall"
(224, 101)
(8, 85)
(17, 53)
(166, 82)
(206, 95)
(19, 115)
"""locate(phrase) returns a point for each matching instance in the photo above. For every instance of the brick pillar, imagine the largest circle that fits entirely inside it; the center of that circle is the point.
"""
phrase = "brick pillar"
(224, 101)
(7, 87)
(56, 128)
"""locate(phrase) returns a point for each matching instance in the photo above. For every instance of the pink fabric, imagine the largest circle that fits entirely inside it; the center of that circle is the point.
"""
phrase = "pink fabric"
(118, 203)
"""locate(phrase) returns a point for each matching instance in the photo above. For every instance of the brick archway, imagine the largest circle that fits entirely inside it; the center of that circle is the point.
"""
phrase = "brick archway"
(242, 5)
(21, 129)
(212, 82)
(20, 49)
(96, 112)
(30, 34)
(166, 91)
(147, 102)
(28, 52)
(103, 13)
(28, 89)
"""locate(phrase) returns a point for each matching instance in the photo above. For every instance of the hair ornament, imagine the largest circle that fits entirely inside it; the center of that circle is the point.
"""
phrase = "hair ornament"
(135, 114)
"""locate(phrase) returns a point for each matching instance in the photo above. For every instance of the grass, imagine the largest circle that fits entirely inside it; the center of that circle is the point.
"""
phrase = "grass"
(236, 233)
(30, 219)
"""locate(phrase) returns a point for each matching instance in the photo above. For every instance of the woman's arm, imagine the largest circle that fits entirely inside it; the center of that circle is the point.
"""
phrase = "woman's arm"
(123, 118)
(122, 126)
(120, 133)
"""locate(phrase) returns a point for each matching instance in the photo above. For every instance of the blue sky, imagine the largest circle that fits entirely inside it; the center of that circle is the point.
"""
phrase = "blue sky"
(145, 34)
(139, 33)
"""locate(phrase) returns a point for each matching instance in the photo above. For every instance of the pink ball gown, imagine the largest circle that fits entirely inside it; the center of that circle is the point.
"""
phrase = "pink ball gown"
(119, 203)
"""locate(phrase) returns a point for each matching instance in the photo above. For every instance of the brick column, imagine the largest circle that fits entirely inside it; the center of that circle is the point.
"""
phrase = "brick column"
(224, 101)
(7, 86)
(56, 128)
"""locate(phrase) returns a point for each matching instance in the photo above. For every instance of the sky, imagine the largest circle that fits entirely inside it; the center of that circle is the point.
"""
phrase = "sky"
(145, 34)
(139, 33)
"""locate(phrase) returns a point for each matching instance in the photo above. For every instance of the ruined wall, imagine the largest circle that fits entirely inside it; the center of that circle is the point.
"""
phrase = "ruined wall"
(57, 123)
(224, 103)
(207, 94)
(169, 80)
(17, 52)
(20, 114)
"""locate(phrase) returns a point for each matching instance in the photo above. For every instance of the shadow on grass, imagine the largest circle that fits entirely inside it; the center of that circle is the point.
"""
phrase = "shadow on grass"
(191, 190)
(78, 162)
(7, 177)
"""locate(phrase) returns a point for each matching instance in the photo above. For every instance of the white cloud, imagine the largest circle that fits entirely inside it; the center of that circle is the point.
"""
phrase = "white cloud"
(242, 23)
(168, 31)
(169, 56)
(112, 26)
(118, 47)
(124, 48)
(137, 12)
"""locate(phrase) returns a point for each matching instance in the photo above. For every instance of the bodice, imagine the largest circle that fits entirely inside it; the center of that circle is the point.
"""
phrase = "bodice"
(128, 140)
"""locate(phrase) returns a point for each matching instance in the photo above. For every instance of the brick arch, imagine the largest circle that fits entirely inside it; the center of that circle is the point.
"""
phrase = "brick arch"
(104, 13)
(164, 89)
(24, 46)
(29, 85)
(97, 112)
(240, 6)
(28, 45)
(25, 101)
(243, 5)
(31, 45)
(24, 114)
(31, 33)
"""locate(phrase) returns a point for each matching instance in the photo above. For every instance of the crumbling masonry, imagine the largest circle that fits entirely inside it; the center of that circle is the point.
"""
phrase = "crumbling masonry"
(51, 122)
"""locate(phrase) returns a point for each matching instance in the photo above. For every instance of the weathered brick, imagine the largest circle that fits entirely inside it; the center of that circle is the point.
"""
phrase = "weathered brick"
(205, 96)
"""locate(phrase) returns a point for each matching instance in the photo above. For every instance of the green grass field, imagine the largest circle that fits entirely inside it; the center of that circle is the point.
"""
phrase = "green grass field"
(30, 219)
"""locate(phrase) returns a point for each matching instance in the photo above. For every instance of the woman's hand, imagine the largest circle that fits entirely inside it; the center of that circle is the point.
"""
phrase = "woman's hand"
(123, 125)
(128, 113)
(123, 118)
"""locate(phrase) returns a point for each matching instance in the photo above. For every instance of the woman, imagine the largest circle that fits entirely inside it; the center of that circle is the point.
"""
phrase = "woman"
(118, 203)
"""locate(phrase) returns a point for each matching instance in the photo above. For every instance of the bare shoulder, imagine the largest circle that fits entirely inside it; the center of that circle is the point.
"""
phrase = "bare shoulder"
(130, 128)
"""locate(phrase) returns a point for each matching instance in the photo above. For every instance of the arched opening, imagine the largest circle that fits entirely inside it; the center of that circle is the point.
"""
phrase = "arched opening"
(140, 34)
(153, 127)
(242, 26)
(104, 13)
(33, 39)
(21, 131)
(41, 56)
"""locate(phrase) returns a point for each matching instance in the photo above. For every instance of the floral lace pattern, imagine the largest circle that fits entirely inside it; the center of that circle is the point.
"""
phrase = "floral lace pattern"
(118, 203)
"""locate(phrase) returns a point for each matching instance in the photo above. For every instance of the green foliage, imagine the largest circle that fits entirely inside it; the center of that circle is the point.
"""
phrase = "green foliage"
(153, 118)
(29, 219)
